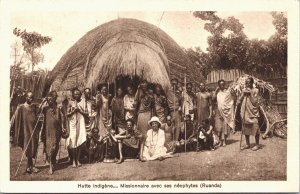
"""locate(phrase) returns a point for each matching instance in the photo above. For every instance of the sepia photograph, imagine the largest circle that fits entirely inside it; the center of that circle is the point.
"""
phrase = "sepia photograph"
(131, 95)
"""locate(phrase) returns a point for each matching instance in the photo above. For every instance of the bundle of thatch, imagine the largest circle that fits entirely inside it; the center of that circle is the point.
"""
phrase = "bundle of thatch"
(265, 88)
(120, 47)
(270, 119)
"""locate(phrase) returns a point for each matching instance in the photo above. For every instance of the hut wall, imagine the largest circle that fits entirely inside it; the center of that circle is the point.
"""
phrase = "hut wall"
(227, 75)
(279, 98)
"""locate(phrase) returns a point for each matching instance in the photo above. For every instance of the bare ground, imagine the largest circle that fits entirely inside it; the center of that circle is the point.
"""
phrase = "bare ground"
(225, 163)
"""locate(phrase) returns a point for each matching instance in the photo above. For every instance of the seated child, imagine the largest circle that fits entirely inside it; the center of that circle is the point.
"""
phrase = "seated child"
(205, 138)
(190, 138)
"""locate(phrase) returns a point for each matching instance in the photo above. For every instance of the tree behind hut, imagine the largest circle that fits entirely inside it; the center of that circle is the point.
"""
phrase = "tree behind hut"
(230, 48)
(278, 43)
(32, 43)
(227, 45)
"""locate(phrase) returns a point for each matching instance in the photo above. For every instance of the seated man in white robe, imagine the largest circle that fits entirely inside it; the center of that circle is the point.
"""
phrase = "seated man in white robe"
(155, 140)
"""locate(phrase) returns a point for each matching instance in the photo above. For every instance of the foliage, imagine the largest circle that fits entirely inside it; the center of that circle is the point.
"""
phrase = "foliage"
(199, 61)
(32, 42)
(229, 47)
(278, 43)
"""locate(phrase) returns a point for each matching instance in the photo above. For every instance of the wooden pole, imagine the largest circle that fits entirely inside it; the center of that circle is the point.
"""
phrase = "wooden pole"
(174, 114)
(243, 122)
(184, 98)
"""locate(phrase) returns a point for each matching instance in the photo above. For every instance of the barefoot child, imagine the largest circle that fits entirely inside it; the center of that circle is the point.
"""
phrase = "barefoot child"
(205, 139)
(53, 127)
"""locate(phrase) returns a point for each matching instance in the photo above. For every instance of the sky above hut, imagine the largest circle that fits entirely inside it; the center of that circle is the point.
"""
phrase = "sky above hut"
(66, 28)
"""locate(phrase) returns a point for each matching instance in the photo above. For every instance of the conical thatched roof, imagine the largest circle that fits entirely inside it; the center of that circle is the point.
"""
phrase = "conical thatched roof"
(120, 47)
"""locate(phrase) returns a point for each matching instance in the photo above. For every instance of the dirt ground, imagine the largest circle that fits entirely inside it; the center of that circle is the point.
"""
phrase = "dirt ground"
(225, 163)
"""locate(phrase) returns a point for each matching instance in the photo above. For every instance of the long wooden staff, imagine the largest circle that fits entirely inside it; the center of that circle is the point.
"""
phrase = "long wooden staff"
(243, 122)
(184, 98)
(174, 114)
(115, 113)
(107, 119)
(35, 159)
(76, 118)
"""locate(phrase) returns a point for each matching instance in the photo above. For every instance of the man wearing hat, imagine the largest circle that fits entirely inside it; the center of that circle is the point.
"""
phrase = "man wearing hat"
(155, 140)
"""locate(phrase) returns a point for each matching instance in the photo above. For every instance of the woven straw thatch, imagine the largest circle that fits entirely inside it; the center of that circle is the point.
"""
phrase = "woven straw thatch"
(263, 86)
(120, 47)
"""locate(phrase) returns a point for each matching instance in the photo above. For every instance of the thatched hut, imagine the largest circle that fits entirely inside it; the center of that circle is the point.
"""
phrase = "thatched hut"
(127, 47)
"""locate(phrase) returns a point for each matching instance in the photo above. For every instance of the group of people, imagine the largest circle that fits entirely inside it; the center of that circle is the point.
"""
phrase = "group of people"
(148, 123)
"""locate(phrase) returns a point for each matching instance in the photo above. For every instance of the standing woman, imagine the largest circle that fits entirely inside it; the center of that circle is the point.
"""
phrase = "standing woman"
(104, 113)
(160, 104)
(144, 106)
(76, 118)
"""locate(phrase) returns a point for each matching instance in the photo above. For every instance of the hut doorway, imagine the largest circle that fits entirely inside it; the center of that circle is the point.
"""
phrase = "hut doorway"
(123, 81)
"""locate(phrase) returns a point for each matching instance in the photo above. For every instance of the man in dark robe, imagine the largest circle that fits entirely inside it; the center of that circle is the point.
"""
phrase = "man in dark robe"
(24, 127)
(117, 107)
(129, 141)
(160, 104)
(174, 97)
(54, 124)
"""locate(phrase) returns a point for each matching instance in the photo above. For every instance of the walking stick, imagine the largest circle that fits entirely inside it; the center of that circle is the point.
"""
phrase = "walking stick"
(35, 159)
(59, 150)
(76, 134)
(23, 154)
(184, 97)
(175, 129)
(243, 123)
(106, 143)
(184, 136)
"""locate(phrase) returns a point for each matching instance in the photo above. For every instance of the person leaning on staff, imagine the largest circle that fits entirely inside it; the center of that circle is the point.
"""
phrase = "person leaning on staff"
(24, 130)
(250, 114)
(174, 99)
